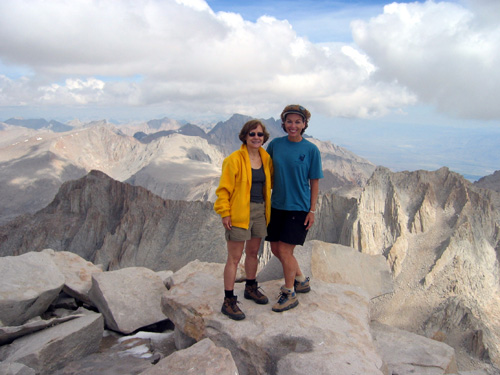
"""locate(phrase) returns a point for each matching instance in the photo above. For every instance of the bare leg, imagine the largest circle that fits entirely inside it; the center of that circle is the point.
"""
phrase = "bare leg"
(277, 249)
(290, 264)
(234, 252)
(251, 261)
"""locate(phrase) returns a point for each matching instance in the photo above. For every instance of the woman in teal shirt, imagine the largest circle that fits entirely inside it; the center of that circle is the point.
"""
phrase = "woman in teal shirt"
(297, 170)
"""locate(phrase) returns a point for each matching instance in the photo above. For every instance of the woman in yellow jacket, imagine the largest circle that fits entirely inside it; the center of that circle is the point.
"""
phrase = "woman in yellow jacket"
(244, 204)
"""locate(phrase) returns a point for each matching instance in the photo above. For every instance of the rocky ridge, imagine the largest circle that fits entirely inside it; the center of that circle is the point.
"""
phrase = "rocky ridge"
(119, 225)
(437, 231)
(490, 182)
(441, 236)
(178, 162)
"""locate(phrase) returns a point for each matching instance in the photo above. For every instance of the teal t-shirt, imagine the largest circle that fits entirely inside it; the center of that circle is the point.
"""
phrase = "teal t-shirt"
(294, 163)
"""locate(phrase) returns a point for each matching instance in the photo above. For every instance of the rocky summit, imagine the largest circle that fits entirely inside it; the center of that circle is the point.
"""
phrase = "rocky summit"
(331, 331)
(435, 234)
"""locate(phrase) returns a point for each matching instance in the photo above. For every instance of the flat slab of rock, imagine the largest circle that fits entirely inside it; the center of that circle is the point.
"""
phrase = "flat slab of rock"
(337, 264)
(327, 333)
(122, 355)
(77, 273)
(129, 298)
(202, 358)
(9, 334)
(15, 369)
(406, 353)
(47, 350)
(28, 285)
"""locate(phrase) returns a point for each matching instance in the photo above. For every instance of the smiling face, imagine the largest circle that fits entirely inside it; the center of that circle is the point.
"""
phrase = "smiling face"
(294, 125)
(253, 139)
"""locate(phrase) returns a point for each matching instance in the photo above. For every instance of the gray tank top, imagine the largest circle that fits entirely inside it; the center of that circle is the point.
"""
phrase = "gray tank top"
(258, 181)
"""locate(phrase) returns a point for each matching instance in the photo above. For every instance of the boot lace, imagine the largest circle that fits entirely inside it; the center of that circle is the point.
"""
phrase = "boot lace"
(282, 297)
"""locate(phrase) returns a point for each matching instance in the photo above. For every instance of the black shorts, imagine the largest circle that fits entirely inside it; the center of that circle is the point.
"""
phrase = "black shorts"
(287, 226)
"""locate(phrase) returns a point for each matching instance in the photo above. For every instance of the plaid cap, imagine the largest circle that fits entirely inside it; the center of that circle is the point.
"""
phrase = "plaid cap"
(297, 109)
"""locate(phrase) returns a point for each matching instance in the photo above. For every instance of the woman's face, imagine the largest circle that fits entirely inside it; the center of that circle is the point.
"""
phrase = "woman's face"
(294, 124)
(255, 137)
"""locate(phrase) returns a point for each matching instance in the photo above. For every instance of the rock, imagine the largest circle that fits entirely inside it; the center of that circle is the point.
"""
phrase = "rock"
(77, 273)
(15, 369)
(329, 330)
(129, 298)
(118, 354)
(202, 358)
(491, 181)
(338, 264)
(165, 277)
(179, 277)
(63, 301)
(440, 234)
(9, 334)
(48, 350)
(28, 285)
(406, 353)
(119, 225)
(181, 340)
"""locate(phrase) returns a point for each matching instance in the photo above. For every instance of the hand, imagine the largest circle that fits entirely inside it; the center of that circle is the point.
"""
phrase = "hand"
(309, 220)
(226, 222)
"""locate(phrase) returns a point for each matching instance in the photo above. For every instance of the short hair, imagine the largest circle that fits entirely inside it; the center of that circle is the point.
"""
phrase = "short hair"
(295, 109)
(251, 125)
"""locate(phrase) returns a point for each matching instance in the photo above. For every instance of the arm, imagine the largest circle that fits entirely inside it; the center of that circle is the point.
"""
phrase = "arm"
(224, 193)
(226, 222)
(314, 196)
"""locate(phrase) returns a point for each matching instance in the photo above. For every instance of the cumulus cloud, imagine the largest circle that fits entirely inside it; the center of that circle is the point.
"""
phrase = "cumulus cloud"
(182, 56)
(444, 53)
(189, 59)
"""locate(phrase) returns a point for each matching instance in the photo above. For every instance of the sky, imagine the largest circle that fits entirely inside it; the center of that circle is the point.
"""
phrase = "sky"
(382, 79)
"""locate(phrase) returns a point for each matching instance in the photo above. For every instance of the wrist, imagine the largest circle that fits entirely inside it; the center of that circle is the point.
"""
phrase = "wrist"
(312, 211)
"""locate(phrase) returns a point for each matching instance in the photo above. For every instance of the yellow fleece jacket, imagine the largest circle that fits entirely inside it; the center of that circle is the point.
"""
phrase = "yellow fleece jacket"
(233, 193)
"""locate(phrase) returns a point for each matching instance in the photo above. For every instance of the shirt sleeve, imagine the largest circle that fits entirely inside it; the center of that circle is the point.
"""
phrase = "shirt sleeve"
(226, 188)
(270, 148)
(316, 170)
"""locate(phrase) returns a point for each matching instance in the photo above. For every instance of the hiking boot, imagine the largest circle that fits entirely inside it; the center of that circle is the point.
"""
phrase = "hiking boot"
(253, 292)
(302, 286)
(286, 301)
(231, 309)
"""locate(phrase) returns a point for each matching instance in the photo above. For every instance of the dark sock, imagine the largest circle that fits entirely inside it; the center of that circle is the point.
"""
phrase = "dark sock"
(251, 282)
(229, 293)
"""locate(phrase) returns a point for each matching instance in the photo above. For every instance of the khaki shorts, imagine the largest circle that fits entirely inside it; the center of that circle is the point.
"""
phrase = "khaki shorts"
(256, 228)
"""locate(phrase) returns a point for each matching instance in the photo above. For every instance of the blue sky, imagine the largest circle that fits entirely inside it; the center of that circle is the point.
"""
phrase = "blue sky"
(363, 68)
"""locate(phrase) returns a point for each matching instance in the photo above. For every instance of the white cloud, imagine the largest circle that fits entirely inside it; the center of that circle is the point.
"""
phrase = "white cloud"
(74, 91)
(181, 56)
(190, 60)
(444, 53)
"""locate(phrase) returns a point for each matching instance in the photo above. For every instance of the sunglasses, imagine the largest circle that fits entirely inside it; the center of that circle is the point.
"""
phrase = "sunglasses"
(252, 134)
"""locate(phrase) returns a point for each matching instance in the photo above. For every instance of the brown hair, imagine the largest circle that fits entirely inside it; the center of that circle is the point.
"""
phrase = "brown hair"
(249, 126)
(296, 109)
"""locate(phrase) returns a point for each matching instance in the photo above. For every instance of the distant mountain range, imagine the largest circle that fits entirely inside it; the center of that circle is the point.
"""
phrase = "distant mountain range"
(171, 159)
(39, 124)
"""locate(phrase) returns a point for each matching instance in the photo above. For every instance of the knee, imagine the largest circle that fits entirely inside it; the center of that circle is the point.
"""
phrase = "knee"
(251, 253)
(276, 251)
(277, 254)
(233, 260)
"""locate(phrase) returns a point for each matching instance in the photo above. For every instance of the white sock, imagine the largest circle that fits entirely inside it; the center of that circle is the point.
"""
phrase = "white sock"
(300, 278)
(286, 290)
